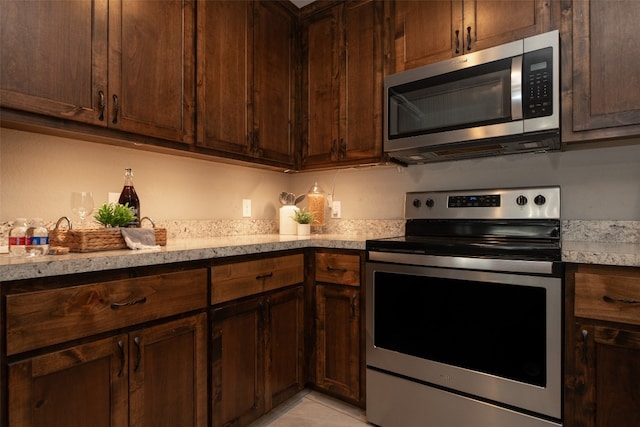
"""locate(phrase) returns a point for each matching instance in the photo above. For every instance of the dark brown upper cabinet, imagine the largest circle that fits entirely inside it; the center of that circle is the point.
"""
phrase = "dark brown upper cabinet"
(342, 75)
(601, 84)
(121, 64)
(246, 80)
(431, 31)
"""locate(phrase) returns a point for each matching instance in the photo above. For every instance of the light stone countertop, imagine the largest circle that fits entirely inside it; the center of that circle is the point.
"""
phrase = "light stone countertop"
(176, 250)
(622, 254)
(601, 242)
(586, 242)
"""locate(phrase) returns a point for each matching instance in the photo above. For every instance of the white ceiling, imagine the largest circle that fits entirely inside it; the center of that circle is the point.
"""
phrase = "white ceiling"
(301, 3)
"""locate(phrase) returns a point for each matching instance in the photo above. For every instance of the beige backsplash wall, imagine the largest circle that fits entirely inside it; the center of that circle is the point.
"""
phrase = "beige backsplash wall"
(38, 172)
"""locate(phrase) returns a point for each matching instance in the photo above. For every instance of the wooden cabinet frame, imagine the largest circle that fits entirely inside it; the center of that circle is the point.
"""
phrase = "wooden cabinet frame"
(602, 365)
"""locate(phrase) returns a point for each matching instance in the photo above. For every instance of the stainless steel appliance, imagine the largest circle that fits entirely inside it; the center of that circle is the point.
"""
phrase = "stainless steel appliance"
(501, 100)
(464, 312)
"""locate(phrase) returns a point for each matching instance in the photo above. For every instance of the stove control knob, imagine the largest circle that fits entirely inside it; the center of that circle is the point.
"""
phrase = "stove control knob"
(521, 200)
(430, 202)
(417, 203)
(540, 200)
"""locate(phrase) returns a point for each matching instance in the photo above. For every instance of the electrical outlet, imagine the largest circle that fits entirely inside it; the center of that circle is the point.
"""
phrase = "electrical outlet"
(246, 208)
(336, 209)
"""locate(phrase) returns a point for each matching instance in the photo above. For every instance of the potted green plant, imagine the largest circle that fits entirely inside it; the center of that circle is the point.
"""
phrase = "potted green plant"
(304, 219)
(114, 215)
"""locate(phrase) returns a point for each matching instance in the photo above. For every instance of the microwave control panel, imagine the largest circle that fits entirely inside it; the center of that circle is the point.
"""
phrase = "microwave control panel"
(537, 76)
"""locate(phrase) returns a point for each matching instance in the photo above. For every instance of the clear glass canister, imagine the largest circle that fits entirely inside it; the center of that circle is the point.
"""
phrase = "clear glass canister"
(316, 203)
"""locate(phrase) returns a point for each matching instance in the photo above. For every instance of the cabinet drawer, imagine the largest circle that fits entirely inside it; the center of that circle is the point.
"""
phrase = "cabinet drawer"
(608, 297)
(40, 318)
(338, 268)
(241, 279)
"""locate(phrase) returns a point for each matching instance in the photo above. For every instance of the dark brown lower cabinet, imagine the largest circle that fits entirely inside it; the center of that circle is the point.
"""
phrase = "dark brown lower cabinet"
(151, 377)
(257, 355)
(603, 347)
(338, 340)
(71, 386)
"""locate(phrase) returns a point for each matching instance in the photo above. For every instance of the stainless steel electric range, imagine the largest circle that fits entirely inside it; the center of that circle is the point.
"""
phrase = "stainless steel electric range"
(464, 312)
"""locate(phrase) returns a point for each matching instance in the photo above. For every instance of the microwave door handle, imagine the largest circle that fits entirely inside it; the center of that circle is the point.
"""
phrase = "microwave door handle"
(516, 88)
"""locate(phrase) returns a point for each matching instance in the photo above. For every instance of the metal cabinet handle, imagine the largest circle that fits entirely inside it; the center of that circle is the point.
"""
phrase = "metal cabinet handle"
(341, 270)
(121, 347)
(264, 276)
(585, 334)
(101, 105)
(609, 299)
(457, 41)
(116, 109)
(136, 341)
(468, 38)
(117, 305)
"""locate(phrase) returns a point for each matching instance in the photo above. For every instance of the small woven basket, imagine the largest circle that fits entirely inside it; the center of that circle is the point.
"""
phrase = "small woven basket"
(98, 239)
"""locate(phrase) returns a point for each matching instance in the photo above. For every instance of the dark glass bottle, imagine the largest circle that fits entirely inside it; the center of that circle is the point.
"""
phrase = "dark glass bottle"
(129, 195)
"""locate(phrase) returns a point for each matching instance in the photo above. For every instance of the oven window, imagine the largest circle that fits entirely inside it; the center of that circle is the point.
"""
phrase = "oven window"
(497, 329)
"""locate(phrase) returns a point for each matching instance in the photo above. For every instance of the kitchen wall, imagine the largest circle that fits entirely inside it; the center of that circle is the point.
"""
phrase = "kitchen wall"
(38, 173)
(596, 184)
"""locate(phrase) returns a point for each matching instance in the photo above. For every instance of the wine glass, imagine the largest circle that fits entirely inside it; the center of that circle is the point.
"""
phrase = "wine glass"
(82, 204)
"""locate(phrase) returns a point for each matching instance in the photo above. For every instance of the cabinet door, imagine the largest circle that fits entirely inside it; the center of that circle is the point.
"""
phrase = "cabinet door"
(601, 97)
(338, 340)
(168, 374)
(71, 386)
(285, 345)
(238, 363)
(431, 31)
(322, 98)
(274, 84)
(607, 374)
(224, 73)
(425, 32)
(361, 133)
(489, 23)
(343, 85)
(151, 64)
(54, 58)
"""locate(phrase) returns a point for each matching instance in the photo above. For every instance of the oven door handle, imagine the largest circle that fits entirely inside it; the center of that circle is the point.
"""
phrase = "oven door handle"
(466, 263)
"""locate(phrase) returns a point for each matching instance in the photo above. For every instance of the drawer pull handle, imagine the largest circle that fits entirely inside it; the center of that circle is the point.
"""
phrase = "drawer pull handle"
(607, 298)
(117, 305)
(121, 347)
(264, 276)
(116, 109)
(101, 105)
(585, 335)
(341, 270)
(136, 341)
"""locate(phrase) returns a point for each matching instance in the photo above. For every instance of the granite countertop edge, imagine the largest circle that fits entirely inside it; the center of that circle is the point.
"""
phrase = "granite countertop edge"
(179, 250)
(579, 245)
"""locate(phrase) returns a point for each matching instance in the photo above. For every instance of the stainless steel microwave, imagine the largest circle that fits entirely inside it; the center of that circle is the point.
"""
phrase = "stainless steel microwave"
(500, 100)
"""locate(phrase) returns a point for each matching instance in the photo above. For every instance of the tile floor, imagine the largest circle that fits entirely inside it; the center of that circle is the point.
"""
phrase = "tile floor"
(313, 409)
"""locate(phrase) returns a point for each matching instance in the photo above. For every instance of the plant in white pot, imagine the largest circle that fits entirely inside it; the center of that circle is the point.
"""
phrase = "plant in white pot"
(304, 219)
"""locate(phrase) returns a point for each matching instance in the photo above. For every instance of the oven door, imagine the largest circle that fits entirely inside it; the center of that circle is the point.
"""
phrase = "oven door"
(494, 336)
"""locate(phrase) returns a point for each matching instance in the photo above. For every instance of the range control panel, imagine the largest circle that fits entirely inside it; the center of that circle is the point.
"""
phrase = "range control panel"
(507, 203)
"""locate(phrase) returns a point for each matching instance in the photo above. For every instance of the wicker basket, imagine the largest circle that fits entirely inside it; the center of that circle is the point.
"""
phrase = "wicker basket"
(99, 239)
